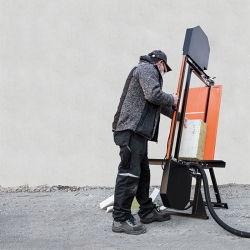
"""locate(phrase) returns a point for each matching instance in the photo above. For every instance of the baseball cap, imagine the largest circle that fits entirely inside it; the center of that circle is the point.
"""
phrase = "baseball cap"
(158, 54)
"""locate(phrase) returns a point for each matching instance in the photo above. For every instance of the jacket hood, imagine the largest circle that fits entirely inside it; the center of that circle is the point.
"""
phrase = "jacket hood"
(149, 60)
(146, 58)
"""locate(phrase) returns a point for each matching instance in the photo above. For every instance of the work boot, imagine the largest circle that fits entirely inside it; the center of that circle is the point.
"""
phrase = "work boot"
(129, 227)
(155, 215)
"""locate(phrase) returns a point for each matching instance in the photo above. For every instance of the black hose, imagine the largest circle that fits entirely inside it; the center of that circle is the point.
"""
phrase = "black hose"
(210, 206)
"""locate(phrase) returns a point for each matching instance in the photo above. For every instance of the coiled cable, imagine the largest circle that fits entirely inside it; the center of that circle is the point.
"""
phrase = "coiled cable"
(210, 206)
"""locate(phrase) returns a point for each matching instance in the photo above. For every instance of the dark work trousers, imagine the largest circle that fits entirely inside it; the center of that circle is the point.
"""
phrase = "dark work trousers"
(133, 178)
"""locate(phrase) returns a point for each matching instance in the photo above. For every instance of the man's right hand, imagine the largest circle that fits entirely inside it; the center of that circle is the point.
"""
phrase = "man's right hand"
(176, 98)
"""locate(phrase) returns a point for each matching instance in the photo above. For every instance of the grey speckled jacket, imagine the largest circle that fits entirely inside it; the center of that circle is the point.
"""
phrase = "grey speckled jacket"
(142, 101)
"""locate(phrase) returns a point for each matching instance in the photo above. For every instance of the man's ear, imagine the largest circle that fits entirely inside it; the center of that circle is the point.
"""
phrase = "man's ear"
(158, 63)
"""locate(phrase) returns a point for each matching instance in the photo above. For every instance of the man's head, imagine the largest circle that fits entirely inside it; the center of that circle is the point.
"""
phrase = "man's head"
(160, 60)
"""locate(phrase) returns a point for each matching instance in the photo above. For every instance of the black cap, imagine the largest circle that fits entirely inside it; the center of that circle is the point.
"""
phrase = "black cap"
(158, 54)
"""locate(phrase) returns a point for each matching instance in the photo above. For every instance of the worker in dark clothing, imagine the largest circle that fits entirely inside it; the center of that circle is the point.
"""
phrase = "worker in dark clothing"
(135, 123)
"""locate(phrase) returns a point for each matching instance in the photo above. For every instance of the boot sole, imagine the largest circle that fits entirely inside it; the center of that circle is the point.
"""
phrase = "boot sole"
(122, 230)
(150, 220)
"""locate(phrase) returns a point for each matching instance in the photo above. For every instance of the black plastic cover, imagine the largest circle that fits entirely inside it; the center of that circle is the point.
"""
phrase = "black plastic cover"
(176, 185)
(196, 46)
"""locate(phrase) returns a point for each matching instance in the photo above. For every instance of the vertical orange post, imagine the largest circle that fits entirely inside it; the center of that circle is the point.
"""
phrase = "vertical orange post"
(173, 123)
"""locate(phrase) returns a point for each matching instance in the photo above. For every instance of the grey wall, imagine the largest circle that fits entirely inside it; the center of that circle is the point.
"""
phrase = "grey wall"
(63, 66)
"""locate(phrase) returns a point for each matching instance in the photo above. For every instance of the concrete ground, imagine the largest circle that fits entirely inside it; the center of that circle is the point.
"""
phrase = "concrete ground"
(70, 218)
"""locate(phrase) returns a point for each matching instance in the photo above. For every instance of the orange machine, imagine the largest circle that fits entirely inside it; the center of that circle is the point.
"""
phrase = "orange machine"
(201, 103)
(194, 103)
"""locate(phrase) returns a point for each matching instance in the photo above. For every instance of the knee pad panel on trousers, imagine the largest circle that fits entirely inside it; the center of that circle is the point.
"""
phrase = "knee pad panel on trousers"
(125, 154)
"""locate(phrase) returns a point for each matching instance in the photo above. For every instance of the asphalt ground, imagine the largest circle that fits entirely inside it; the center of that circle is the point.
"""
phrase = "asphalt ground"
(71, 218)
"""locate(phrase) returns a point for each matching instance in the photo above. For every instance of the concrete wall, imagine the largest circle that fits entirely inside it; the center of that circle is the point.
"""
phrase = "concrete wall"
(63, 66)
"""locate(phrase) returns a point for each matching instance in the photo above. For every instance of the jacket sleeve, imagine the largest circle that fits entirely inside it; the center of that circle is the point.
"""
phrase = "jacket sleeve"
(149, 81)
(168, 111)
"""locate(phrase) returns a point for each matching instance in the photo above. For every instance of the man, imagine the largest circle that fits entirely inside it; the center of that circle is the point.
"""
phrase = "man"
(137, 121)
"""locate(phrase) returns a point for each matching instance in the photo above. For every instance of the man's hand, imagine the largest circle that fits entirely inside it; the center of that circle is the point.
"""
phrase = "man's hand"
(176, 98)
